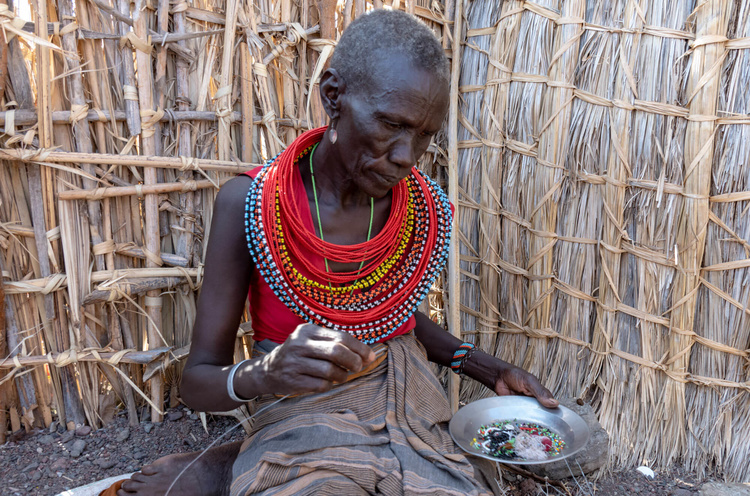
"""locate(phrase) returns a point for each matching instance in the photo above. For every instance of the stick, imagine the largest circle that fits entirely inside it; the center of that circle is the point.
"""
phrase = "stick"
(246, 83)
(454, 293)
(131, 287)
(187, 200)
(25, 384)
(224, 102)
(19, 76)
(127, 74)
(28, 117)
(52, 326)
(115, 329)
(327, 9)
(3, 352)
(151, 209)
(58, 281)
(127, 356)
(141, 191)
(3, 75)
(147, 161)
(137, 252)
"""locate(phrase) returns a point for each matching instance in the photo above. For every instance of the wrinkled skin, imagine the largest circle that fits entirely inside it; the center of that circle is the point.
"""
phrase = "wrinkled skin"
(382, 132)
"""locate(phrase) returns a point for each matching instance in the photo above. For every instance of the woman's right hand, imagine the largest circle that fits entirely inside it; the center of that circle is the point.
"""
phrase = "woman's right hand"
(312, 359)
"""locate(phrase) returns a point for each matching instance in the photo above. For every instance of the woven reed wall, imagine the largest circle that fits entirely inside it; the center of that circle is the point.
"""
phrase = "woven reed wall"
(603, 168)
(120, 121)
(598, 156)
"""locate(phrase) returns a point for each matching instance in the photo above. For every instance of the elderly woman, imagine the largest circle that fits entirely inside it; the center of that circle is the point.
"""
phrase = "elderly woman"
(337, 241)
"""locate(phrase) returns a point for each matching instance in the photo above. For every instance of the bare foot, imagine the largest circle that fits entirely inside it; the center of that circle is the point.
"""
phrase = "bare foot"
(210, 475)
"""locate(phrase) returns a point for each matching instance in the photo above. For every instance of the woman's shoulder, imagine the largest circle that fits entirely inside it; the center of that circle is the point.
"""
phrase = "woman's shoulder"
(228, 224)
(234, 192)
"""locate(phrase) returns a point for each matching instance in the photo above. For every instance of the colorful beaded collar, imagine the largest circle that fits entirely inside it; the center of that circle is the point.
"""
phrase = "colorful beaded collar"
(401, 262)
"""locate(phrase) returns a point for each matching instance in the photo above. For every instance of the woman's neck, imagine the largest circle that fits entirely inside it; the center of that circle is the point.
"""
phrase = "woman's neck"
(334, 185)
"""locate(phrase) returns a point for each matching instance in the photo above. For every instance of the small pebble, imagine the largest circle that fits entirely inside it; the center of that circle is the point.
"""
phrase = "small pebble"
(77, 448)
(646, 471)
(122, 435)
(174, 415)
(59, 464)
(46, 439)
(83, 431)
(148, 426)
(105, 464)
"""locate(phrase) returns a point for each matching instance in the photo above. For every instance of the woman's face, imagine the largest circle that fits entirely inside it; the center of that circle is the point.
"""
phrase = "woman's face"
(386, 126)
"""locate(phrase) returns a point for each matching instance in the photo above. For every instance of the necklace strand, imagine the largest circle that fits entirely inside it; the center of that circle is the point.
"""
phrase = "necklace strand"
(320, 224)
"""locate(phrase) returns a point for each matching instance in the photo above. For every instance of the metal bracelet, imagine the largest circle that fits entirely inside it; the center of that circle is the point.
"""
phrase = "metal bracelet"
(230, 383)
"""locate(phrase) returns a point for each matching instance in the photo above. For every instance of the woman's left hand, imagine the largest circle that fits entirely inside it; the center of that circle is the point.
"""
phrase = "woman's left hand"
(500, 376)
(510, 379)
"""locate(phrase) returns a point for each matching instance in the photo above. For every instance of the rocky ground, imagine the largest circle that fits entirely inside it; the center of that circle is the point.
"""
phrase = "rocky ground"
(50, 461)
(627, 483)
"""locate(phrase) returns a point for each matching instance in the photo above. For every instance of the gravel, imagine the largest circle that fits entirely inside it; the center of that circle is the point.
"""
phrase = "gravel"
(43, 462)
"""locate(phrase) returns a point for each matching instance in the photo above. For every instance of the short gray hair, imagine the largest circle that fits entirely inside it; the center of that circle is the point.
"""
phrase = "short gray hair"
(372, 37)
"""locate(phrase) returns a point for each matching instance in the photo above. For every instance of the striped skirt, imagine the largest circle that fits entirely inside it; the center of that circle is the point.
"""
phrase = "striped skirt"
(384, 432)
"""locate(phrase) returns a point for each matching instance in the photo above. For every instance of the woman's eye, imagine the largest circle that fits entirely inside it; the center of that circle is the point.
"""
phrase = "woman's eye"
(391, 125)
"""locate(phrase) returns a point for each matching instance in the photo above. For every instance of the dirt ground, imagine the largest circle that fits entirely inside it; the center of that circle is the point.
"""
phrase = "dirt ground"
(628, 483)
(46, 463)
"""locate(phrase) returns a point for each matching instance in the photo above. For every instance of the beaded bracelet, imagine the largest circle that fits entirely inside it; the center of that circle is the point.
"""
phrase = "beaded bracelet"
(462, 354)
(230, 383)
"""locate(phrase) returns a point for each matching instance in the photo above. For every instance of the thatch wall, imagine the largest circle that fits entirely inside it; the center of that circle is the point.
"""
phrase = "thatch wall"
(122, 120)
(597, 152)
(602, 174)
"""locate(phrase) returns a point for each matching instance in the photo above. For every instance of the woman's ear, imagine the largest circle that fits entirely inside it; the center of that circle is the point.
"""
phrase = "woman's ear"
(332, 89)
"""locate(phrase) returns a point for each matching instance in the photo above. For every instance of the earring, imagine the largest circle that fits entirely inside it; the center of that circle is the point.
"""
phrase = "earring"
(332, 135)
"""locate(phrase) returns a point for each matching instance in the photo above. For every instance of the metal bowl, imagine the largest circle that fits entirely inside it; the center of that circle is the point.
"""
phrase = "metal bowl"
(561, 420)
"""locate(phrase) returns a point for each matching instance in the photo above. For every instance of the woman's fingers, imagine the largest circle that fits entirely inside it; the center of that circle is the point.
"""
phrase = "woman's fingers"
(314, 358)
(518, 381)
(322, 369)
(338, 347)
(364, 351)
(542, 394)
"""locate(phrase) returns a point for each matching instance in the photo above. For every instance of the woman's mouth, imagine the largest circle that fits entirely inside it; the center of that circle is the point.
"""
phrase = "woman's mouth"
(390, 181)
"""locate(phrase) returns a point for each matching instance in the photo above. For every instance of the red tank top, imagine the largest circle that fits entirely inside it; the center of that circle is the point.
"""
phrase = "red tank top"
(272, 319)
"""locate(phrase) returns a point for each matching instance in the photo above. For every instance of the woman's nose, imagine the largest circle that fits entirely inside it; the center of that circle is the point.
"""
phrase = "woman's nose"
(403, 152)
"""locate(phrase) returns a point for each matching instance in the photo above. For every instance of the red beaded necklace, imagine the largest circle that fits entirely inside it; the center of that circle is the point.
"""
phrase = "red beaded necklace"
(400, 262)
(299, 238)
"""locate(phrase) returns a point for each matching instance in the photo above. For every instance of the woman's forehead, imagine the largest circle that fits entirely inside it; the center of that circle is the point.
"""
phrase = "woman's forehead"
(398, 81)
(392, 66)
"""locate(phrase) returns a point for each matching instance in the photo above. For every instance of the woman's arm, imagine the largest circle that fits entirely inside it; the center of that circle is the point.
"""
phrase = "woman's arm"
(311, 359)
(499, 376)
(228, 266)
